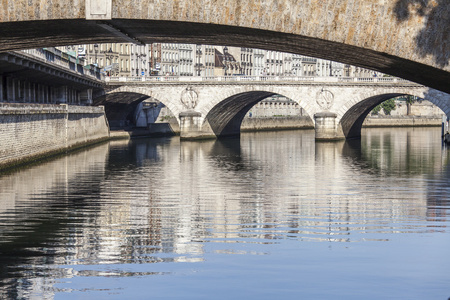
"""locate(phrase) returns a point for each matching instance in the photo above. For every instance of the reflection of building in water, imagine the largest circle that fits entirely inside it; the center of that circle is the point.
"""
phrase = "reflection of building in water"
(317, 205)
(438, 191)
(161, 201)
(31, 199)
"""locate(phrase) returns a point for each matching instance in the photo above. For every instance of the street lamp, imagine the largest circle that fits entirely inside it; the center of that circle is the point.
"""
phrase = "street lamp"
(109, 55)
(138, 58)
(96, 51)
(199, 54)
(225, 65)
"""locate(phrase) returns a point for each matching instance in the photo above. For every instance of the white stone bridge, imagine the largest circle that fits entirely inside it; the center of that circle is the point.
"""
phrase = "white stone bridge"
(210, 107)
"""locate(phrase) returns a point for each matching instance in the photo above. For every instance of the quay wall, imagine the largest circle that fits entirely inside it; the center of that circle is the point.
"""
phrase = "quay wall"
(170, 127)
(304, 122)
(277, 123)
(402, 121)
(32, 131)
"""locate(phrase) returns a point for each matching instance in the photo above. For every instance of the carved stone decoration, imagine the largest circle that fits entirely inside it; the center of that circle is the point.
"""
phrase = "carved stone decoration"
(98, 9)
(325, 99)
(189, 98)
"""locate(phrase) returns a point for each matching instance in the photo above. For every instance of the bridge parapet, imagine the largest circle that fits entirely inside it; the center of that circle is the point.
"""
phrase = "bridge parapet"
(258, 79)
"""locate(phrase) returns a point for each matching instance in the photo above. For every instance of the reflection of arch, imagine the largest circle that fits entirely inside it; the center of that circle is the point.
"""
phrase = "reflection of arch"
(357, 109)
(225, 117)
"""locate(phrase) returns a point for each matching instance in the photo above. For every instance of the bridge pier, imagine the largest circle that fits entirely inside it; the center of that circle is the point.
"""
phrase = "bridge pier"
(192, 126)
(86, 97)
(326, 127)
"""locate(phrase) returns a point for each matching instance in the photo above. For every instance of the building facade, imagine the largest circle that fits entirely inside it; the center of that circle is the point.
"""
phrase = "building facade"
(169, 59)
(259, 63)
(225, 63)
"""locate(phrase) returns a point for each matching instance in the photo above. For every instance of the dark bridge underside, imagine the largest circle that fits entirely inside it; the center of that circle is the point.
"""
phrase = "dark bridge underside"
(353, 119)
(35, 34)
(226, 117)
(120, 107)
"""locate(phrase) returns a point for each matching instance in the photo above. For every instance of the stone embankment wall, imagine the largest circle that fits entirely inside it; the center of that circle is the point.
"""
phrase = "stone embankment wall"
(277, 123)
(419, 108)
(402, 121)
(28, 132)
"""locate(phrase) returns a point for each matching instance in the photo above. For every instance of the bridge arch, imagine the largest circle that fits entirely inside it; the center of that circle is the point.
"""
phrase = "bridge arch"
(353, 113)
(168, 99)
(224, 113)
(228, 94)
(120, 103)
(226, 117)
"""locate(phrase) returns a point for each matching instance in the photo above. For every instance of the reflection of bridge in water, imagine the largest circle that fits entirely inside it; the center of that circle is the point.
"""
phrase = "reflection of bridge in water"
(215, 106)
(82, 206)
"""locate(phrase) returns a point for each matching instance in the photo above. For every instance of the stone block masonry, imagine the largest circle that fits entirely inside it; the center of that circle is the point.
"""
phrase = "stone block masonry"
(29, 132)
(403, 38)
(277, 123)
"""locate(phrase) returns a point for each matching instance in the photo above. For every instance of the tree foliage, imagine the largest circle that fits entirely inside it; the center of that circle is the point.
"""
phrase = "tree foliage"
(387, 106)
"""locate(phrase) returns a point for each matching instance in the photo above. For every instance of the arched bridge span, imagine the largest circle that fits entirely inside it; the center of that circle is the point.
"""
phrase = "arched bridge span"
(217, 108)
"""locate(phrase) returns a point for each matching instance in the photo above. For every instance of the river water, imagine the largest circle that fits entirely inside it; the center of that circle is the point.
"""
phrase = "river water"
(272, 215)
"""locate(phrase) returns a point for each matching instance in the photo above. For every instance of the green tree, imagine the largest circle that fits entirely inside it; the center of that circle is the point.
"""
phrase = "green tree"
(376, 110)
(387, 106)
(409, 101)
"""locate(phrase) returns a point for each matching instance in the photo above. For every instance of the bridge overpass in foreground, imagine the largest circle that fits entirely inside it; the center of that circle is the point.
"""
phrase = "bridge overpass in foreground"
(215, 106)
(404, 38)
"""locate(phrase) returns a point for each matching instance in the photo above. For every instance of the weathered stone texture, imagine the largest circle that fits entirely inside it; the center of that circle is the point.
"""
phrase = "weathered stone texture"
(28, 131)
(262, 124)
(29, 10)
(370, 24)
(397, 37)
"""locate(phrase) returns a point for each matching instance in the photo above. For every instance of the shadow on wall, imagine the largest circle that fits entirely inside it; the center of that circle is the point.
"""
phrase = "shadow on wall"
(434, 38)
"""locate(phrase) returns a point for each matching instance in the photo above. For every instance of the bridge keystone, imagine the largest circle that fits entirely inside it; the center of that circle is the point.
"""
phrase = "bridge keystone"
(98, 9)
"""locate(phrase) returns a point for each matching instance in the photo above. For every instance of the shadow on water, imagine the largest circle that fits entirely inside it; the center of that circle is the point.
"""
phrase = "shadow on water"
(61, 221)
(227, 154)
(434, 38)
(131, 154)
(438, 189)
(32, 240)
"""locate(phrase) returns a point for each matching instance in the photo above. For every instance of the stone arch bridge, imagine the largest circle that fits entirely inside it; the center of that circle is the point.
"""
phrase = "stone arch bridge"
(217, 108)
(405, 38)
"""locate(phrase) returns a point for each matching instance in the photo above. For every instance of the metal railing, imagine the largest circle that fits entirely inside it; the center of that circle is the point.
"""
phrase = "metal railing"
(56, 57)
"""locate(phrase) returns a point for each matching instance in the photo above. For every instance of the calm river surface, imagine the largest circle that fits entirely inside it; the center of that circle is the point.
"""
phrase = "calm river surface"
(271, 215)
